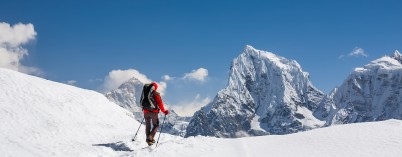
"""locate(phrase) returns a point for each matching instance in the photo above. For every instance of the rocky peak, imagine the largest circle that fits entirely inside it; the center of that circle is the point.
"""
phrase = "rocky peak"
(265, 92)
(397, 56)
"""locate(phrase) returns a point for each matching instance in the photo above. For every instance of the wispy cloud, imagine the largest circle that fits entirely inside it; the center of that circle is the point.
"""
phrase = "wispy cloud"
(167, 78)
(356, 52)
(187, 108)
(341, 57)
(12, 38)
(198, 75)
(117, 77)
(71, 82)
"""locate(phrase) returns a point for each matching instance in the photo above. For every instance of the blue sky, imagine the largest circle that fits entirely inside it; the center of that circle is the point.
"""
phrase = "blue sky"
(83, 41)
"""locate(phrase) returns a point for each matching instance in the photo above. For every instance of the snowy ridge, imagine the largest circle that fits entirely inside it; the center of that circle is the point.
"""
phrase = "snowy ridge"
(266, 94)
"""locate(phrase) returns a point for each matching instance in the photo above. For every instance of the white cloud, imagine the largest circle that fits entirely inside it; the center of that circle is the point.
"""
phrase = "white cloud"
(71, 82)
(341, 57)
(187, 108)
(166, 78)
(11, 52)
(357, 52)
(162, 87)
(117, 77)
(199, 75)
(16, 35)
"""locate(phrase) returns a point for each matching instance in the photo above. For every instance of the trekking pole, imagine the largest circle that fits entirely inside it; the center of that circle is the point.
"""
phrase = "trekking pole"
(160, 132)
(138, 130)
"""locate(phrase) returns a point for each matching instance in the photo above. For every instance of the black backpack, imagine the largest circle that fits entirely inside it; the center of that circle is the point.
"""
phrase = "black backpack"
(147, 98)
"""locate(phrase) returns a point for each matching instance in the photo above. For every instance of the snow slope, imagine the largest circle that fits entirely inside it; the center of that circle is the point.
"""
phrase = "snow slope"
(371, 139)
(44, 118)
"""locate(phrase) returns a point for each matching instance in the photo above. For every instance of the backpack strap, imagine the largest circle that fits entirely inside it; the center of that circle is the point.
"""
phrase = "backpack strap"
(151, 97)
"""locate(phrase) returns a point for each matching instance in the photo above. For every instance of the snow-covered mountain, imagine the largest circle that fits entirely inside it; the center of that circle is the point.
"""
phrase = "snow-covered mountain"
(370, 93)
(266, 94)
(128, 96)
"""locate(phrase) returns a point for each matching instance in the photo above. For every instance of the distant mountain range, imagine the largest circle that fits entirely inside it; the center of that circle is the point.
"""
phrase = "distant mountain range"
(269, 94)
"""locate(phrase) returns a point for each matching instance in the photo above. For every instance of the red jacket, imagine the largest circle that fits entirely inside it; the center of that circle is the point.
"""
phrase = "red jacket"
(158, 101)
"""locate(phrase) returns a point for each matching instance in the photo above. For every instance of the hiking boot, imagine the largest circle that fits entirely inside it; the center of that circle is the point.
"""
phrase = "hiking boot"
(150, 139)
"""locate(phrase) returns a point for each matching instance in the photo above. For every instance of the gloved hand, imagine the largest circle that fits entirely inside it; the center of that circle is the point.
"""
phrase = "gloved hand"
(166, 112)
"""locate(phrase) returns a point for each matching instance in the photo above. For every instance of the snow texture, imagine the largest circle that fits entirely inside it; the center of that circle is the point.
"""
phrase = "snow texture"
(45, 118)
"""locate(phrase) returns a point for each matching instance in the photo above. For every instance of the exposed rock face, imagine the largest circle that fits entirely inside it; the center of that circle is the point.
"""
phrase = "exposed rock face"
(266, 94)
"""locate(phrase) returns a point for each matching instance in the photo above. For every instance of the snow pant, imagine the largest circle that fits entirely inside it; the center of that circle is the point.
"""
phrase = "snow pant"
(151, 131)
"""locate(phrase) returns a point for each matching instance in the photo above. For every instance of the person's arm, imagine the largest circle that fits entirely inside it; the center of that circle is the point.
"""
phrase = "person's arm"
(159, 101)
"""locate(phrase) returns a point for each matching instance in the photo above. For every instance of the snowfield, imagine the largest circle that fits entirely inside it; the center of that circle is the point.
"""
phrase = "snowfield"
(44, 118)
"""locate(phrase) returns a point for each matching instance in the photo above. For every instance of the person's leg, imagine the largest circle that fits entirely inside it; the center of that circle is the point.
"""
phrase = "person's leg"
(147, 125)
(155, 123)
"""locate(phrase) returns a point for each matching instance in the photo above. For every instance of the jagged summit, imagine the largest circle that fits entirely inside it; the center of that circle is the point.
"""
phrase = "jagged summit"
(386, 63)
(252, 59)
(135, 80)
(265, 93)
(249, 47)
(397, 56)
(250, 51)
